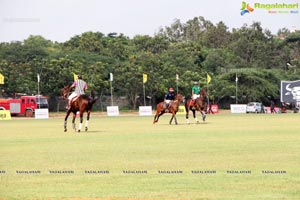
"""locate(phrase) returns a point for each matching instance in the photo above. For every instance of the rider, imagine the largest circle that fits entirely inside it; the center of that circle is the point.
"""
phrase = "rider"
(80, 88)
(170, 96)
(195, 93)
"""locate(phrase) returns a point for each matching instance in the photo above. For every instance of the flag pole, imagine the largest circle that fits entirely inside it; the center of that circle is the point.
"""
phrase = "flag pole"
(38, 83)
(144, 81)
(236, 88)
(207, 82)
(111, 89)
(207, 92)
(208, 79)
(144, 94)
(177, 78)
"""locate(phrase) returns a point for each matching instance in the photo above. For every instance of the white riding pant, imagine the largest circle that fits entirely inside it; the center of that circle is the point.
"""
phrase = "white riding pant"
(195, 96)
(72, 95)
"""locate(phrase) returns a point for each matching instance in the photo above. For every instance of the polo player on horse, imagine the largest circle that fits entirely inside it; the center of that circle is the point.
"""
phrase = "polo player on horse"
(169, 98)
(195, 93)
(80, 88)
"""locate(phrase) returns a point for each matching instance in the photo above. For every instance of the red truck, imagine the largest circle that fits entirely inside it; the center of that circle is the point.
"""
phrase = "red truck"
(24, 105)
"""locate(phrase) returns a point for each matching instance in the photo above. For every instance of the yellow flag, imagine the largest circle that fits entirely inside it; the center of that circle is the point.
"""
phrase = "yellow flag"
(75, 77)
(145, 76)
(1, 79)
(208, 78)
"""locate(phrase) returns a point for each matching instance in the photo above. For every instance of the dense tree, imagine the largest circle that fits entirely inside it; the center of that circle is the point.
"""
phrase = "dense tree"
(187, 50)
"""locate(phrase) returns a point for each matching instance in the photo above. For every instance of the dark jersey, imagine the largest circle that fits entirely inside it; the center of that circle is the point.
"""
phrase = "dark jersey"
(170, 96)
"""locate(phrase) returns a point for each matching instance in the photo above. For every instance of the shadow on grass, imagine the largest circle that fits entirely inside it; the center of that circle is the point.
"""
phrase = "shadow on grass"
(183, 124)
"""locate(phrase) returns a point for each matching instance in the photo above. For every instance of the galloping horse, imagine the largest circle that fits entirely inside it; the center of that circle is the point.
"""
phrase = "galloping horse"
(200, 104)
(83, 103)
(173, 108)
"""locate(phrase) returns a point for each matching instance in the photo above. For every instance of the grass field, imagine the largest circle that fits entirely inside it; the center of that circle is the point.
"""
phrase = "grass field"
(127, 157)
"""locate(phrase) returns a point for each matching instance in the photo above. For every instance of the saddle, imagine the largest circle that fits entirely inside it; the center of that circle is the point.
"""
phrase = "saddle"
(192, 102)
(168, 106)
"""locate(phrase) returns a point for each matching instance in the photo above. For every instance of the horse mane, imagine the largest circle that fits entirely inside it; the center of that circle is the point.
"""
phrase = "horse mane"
(178, 95)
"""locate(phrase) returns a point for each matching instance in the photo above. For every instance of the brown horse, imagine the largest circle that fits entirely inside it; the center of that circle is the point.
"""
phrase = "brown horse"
(82, 104)
(173, 108)
(200, 104)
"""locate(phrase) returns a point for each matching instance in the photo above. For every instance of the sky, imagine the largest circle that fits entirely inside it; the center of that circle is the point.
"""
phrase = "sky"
(59, 20)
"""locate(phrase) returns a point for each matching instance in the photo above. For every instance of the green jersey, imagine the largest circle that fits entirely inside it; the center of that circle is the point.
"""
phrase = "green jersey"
(196, 89)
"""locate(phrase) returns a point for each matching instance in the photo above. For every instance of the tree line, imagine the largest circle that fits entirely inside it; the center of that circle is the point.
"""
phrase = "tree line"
(258, 59)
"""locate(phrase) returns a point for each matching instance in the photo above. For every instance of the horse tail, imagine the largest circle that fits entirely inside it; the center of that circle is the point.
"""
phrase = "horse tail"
(186, 105)
(92, 94)
(93, 98)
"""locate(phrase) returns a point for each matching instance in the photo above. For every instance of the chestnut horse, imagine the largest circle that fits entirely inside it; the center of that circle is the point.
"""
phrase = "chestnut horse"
(173, 108)
(83, 103)
(200, 104)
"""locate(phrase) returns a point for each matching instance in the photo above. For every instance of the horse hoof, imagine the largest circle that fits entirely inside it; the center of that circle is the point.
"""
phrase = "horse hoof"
(78, 131)
(86, 129)
(65, 130)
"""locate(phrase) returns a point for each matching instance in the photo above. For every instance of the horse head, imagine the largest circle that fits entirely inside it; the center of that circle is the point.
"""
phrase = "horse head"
(203, 92)
(65, 92)
(180, 98)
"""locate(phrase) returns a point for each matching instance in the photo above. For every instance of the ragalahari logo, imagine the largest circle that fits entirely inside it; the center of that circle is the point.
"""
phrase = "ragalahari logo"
(246, 8)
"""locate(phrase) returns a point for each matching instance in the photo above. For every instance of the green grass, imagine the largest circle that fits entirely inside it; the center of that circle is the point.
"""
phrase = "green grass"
(225, 142)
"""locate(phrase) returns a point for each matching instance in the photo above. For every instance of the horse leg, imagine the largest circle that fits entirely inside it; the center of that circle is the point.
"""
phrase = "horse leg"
(195, 117)
(171, 119)
(81, 120)
(203, 115)
(66, 120)
(155, 120)
(160, 114)
(73, 121)
(87, 120)
(157, 115)
(187, 115)
(175, 119)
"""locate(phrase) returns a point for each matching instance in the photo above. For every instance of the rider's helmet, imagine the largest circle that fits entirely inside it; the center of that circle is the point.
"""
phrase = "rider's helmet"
(195, 82)
(79, 76)
(171, 89)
